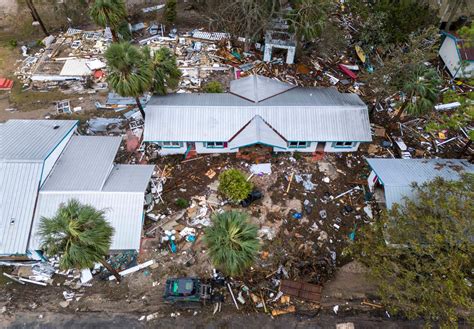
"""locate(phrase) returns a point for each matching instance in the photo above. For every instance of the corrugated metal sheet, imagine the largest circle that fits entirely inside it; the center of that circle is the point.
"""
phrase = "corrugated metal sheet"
(76, 67)
(257, 88)
(32, 139)
(397, 175)
(298, 114)
(84, 165)
(257, 131)
(297, 123)
(19, 183)
(124, 211)
(129, 178)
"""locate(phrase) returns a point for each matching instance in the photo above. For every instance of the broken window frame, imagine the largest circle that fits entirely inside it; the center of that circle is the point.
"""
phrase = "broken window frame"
(298, 144)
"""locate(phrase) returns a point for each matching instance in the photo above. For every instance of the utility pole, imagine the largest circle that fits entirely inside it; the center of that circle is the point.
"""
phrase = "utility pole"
(36, 16)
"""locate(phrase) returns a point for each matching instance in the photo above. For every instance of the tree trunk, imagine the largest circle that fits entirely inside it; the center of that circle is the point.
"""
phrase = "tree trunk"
(114, 35)
(140, 107)
(111, 269)
(400, 112)
(36, 16)
(452, 15)
(465, 148)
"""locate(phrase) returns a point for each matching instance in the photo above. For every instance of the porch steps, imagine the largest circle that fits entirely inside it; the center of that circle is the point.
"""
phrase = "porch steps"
(190, 154)
(317, 155)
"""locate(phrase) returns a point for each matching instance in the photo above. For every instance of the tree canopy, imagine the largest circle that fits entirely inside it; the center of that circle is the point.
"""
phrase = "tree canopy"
(234, 185)
(79, 234)
(110, 13)
(232, 242)
(420, 253)
(166, 73)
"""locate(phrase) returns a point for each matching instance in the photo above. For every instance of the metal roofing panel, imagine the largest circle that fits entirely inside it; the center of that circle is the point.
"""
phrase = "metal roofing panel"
(32, 139)
(403, 172)
(84, 165)
(124, 211)
(19, 183)
(257, 88)
(257, 131)
(129, 178)
(396, 194)
(76, 67)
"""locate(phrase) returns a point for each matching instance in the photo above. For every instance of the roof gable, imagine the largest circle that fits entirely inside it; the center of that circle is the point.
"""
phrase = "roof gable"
(257, 131)
(257, 88)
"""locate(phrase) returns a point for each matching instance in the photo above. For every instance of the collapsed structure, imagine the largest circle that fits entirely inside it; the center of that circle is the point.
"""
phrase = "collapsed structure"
(258, 110)
(457, 55)
(43, 165)
(391, 180)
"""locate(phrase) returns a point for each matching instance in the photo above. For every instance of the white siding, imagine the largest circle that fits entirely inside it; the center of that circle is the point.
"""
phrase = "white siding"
(53, 156)
(450, 56)
(201, 149)
(171, 151)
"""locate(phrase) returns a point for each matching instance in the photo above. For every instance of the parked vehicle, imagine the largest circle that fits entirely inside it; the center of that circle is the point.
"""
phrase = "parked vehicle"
(186, 290)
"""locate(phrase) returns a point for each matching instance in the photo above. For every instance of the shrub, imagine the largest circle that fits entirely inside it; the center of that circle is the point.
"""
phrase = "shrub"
(213, 87)
(232, 242)
(234, 185)
(170, 11)
(182, 203)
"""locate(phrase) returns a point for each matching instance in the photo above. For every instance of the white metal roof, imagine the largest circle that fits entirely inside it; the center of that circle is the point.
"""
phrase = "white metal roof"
(298, 114)
(84, 165)
(32, 139)
(124, 211)
(257, 88)
(397, 175)
(257, 131)
(128, 178)
(76, 67)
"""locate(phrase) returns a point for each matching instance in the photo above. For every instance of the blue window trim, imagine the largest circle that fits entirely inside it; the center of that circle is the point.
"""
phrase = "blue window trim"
(307, 144)
(170, 146)
(215, 146)
(334, 145)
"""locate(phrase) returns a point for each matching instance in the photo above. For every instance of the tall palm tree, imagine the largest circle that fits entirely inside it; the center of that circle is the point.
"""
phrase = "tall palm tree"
(79, 234)
(232, 242)
(129, 72)
(421, 89)
(109, 13)
(166, 73)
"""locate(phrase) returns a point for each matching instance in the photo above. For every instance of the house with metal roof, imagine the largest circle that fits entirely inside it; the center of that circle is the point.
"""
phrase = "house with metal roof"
(28, 151)
(391, 179)
(258, 110)
(457, 55)
(86, 172)
(43, 164)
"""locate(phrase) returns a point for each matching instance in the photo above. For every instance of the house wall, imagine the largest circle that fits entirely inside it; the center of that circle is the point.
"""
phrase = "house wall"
(311, 148)
(54, 155)
(200, 148)
(171, 151)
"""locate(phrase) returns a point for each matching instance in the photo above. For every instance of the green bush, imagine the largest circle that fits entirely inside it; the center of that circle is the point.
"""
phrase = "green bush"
(170, 11)
(213, 87)
(234, 185)
(182, 203)
(232, 242)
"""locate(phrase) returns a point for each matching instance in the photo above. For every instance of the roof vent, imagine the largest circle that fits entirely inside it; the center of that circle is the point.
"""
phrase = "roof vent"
(56, 127)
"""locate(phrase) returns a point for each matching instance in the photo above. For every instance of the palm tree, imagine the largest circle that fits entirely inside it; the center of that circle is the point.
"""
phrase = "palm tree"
(421, 89)
(109, 13)
(232, 242)
(166, 73)
(79, 234)
(129, 72)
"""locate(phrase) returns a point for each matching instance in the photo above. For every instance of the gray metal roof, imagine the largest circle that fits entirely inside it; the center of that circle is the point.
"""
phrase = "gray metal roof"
(19, 183)
(124, 211)
(397, 175)
(257, 132)
(298, 114)
(32, 139)
(84, 165)
(257, 88)
(128, 178)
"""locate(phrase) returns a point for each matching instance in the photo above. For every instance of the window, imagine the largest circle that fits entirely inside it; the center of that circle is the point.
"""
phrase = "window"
(342, 144)
(215, 145)
(170, 144)
(298, 144)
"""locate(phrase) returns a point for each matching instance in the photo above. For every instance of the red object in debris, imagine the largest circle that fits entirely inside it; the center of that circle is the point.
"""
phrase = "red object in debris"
(6, 84)
(99, 74)
(347, 72)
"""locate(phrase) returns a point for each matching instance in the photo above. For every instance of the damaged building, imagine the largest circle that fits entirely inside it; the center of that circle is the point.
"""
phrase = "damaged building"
(45, 164)
(258, 111)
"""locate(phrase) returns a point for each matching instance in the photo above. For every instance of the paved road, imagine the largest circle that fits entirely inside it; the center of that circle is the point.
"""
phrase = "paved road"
(260, 321)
